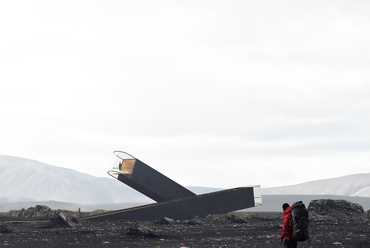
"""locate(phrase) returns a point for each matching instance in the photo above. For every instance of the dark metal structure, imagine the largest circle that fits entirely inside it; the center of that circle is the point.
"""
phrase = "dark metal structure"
(173, 200)
(145, 179)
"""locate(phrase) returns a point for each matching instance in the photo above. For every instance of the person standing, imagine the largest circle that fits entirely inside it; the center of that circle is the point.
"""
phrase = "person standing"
(287, 232)
(78, 214)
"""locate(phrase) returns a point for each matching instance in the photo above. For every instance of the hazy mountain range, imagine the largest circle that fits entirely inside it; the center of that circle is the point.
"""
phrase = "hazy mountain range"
(351, 185)
(25, 182)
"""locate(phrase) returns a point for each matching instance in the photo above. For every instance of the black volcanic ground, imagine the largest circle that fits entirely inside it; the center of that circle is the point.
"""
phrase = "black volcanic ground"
(259, 231)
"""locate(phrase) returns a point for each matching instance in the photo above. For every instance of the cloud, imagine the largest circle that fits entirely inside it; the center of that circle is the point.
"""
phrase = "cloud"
(212, 93)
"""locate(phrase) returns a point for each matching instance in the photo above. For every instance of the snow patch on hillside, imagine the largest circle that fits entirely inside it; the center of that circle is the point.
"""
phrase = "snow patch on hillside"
(23, 180)
(351, 185)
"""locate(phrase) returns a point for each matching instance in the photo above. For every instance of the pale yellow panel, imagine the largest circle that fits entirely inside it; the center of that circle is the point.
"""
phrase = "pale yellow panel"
(127, 166)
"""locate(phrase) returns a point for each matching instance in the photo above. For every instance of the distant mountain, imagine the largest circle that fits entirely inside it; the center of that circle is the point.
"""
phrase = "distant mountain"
(352, 185)
(25, 180)
(25, 183)
(5, 207)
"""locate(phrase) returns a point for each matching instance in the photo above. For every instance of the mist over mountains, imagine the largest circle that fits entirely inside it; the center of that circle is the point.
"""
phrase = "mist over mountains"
(28, 182)
(351, 185)
(25, 180)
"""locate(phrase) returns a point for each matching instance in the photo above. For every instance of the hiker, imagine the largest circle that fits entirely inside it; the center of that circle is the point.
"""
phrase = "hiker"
(300, 222)
(78, 214)
(287, 232)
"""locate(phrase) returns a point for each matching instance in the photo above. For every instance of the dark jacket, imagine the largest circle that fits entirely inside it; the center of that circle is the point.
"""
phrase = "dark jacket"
(287, 232)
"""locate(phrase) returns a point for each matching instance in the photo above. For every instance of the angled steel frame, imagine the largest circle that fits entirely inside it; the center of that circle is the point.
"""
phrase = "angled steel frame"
(173, 200)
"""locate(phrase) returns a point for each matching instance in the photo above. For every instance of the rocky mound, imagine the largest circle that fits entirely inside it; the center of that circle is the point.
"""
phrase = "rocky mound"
(367, 213)
(59, 220)
(43, 212)
(335, 210)
(239, 217)
(5, 228)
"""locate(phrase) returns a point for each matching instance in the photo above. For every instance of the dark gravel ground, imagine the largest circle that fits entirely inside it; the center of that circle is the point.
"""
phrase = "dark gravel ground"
(257, 232)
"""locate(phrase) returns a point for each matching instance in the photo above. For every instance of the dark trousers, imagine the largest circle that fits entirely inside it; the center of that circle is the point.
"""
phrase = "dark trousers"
(290, 243)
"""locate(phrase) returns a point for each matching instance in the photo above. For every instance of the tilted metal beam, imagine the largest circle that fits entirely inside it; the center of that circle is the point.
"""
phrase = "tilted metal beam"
(174, 200)
(145, 179)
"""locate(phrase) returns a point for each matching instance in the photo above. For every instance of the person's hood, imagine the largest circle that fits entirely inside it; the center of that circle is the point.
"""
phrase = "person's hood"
(288, 211)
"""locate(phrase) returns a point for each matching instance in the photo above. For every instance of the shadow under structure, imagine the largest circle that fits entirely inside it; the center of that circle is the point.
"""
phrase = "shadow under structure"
(172, 200)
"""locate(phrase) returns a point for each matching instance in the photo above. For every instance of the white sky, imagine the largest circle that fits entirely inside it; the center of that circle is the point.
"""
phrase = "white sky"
(210, 93)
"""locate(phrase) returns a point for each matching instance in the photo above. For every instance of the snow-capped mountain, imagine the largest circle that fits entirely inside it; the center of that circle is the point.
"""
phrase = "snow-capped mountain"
(24, 180)
(351, 185)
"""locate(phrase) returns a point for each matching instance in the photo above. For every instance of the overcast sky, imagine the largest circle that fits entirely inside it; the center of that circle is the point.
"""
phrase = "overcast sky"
(210, 93)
